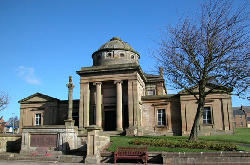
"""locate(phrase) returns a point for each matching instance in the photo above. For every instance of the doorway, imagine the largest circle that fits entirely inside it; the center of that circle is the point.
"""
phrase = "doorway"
(110, 121)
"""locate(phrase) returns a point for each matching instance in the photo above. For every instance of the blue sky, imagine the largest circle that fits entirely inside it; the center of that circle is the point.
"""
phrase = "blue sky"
(42, 42)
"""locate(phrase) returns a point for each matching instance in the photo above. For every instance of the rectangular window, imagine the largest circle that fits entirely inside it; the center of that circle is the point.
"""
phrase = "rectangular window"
(38, 119)
(151, 92)
(161, 117)
(207, 115)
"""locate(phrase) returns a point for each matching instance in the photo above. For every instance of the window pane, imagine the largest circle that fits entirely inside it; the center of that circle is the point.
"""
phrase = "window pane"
(207, 115)
(161, 117)
(151, 92)
(38, 119)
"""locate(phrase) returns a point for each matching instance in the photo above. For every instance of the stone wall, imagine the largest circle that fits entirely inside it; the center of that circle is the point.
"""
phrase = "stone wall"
(172, 115)
(10, 143)
(221, 114)
(206, 158)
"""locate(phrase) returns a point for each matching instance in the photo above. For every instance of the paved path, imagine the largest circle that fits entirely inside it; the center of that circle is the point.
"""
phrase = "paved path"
(25, 162)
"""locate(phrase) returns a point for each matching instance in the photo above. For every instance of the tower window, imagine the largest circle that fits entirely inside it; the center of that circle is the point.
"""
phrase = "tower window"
(122, 55)
(109, 55)
(150, 92)
(132, 57)
(99, 57)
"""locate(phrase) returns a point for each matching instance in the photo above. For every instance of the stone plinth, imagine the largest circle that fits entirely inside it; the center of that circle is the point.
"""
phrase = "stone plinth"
(134, 131)
(69, 123)
(96, 141)
(64, 138)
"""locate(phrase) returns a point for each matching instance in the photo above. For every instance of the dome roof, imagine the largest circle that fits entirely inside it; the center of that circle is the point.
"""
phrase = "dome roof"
(116, 44)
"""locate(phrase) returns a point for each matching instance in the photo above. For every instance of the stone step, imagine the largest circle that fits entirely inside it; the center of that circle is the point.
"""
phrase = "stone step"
(114, 133)
(57, 158)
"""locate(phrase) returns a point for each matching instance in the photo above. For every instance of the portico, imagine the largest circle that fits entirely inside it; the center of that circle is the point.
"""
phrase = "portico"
(98, 100)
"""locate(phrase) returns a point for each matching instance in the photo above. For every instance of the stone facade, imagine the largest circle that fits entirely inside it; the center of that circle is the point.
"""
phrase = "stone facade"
(116, 95)
(241, 116)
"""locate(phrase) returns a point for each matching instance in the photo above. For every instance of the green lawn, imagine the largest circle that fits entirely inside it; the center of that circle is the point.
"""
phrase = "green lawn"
(242, 135)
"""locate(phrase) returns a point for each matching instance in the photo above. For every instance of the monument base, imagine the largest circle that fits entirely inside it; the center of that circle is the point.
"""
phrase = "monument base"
(69, 123)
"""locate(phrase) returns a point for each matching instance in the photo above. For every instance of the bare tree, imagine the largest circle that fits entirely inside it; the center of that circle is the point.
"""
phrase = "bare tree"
(13, 121)
(4, 100)
(212, 48)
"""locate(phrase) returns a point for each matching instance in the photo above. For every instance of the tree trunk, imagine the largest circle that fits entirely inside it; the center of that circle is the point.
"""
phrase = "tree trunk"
(201, 102)
(194, 132)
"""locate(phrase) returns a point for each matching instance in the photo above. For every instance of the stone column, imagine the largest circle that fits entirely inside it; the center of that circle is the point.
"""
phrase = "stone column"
(98, 104)
(130, 104)
(70, 85)
(70, 121)
(225, 113)
(133, 108)
(81, 107)
(86, 104)
(118, 105)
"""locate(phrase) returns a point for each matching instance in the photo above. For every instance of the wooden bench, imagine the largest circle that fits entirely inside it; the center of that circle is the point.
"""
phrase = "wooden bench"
(131, 153)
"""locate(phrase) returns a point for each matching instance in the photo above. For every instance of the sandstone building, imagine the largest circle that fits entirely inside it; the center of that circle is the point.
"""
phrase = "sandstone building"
(117, 96)
(241, 116)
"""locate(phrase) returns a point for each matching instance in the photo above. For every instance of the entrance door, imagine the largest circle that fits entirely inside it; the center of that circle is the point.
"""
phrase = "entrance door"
(110, 121)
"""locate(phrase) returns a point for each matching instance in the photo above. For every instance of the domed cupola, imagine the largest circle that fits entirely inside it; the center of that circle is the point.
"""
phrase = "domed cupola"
(115, 51)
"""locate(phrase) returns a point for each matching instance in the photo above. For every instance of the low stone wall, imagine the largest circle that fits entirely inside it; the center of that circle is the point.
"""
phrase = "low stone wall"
(41, 158)
(64, 138)
(10, 143)
(206, 158)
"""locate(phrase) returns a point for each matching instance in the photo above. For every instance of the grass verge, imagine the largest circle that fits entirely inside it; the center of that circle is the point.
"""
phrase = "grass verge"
(241, 136)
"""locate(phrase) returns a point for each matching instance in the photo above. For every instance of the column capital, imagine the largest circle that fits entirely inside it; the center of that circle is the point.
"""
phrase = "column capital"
(70, 85)
(117, 81)
(97, 83)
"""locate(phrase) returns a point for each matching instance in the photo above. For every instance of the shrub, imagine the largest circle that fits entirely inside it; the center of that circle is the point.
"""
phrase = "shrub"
(183, 143)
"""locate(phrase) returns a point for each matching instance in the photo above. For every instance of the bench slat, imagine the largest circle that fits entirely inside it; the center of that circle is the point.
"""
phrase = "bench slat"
(131, 153)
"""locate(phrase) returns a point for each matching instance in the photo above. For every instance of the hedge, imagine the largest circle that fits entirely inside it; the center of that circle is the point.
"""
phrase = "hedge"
(183, 144)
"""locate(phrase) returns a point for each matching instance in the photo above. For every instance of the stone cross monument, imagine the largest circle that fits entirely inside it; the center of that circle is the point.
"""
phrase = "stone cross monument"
(70, 121)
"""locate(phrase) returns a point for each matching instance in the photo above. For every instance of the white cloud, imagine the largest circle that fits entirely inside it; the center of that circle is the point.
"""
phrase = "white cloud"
(28, 74)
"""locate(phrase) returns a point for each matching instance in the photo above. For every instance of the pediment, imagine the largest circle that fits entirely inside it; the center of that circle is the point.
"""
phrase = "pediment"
(37, 97)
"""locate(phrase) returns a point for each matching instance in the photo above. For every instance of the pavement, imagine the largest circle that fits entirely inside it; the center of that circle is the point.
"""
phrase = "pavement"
(25, 162)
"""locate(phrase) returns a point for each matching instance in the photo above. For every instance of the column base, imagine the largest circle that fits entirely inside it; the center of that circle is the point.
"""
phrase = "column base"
(93, 127)
(93, 159)
(82, 131)
(119, 129)
(69, 123)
